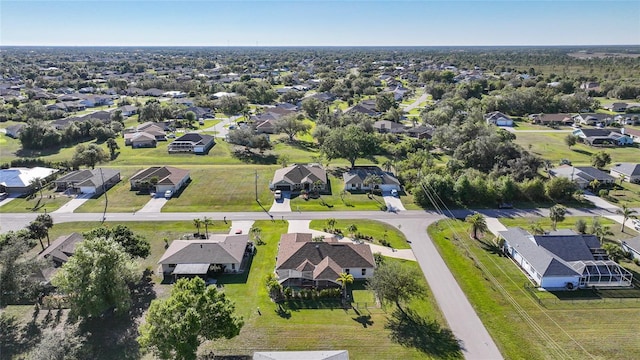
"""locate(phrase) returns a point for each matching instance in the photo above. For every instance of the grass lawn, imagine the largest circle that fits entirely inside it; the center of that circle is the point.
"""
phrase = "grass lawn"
(154, 232)
(570, 222)
(551, 146)
(522, 328)
(306, 329)
(120, 196)
(224, 188)
(334, 201)
(372, 228)
(628, 195)
(525, 125)
(51, 201)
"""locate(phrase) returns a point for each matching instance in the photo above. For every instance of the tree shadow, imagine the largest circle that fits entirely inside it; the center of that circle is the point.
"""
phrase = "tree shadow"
(584, 152)
(14, 339)
(254, 158)
(490, 247)
(410, 330)
(282, 312)
(303, 145)
(364, 320)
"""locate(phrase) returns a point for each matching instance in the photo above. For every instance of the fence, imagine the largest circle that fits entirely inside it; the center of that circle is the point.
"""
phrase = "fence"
(579, 300)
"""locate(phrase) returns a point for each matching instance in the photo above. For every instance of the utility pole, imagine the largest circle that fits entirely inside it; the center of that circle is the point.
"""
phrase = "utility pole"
(106, 199)
(256, 182)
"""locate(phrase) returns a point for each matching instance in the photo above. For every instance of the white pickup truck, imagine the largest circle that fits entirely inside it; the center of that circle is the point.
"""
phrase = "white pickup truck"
(277, 194)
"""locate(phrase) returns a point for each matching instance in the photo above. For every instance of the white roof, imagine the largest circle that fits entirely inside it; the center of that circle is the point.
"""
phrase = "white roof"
(22, 177)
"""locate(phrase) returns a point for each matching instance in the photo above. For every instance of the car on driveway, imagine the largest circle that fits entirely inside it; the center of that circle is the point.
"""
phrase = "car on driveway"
(394, 192)
(168, 194)
(277, 194)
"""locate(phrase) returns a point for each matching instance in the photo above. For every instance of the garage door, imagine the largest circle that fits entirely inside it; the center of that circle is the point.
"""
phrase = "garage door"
(283, 187)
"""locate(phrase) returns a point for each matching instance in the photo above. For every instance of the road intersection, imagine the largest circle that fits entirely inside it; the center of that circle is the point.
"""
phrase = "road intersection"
(460, 315)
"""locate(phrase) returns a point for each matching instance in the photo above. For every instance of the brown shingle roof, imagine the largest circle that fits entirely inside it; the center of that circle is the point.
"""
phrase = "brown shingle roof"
(220, 249)
(297, 248)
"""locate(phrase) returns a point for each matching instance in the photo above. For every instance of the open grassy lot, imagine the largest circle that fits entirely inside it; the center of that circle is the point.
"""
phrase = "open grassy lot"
(376, 229)
(224, 188)
(628, 194)
(569, 223)
(521, 327)
(551, 146)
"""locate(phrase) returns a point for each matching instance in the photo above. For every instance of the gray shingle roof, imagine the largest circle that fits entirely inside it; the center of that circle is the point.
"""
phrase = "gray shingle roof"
(629, 169)
(300, 174)
(219, 249)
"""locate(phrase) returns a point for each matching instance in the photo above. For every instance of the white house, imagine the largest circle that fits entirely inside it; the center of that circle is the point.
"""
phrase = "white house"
(18, 180)
(582, 175)
(630, 171)
(497, 118)
(354, 179)
(632, 246)
(304, 262)
(563, 259)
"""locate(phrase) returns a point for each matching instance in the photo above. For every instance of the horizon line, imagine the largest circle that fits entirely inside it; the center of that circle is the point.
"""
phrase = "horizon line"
(312, 46)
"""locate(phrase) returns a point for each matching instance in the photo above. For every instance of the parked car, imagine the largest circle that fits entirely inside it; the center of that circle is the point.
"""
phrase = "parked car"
(277, 194)
(168, 194)
(394, 192)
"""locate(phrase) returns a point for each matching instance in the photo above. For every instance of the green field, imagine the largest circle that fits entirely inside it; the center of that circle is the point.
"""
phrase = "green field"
(521, 327)
(372, 228)
(551, 146)
(51, 201)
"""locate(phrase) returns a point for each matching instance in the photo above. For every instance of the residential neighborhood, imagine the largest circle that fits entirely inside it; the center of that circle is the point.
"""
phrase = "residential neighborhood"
(319, 203)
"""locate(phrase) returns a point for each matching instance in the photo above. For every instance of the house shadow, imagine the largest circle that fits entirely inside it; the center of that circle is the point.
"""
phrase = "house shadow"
(427, 336)
(237, 278)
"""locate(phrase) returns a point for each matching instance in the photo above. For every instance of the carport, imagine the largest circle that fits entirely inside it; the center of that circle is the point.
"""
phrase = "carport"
(190, 270)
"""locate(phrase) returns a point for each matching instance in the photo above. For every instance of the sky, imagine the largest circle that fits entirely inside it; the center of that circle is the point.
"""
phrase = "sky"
(318, 23)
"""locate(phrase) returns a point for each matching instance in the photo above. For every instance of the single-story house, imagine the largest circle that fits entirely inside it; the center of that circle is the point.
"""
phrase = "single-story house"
(599, 137)
(497, 118)
(158, 130)
(219, 253)
(582, 175)
(128, 110)
(18, 180)
(14, 131)
(140, 139)
(61, 249)
(88, 181)
(632, 133)
(563, 260)
(366, 107)
(192, 142)
(304, 262)
(630, 171)
(354, 179)
(300, 177)
(302, 355)
(420, 132)
(632, 246)
(164, 177)
(617, 107)
(593, 119)
(386, 126)
(552, 119)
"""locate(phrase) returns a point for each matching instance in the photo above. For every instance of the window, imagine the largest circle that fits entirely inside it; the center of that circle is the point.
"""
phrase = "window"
(233, 266)
(172, 266)
(364, 272)
(346, 271)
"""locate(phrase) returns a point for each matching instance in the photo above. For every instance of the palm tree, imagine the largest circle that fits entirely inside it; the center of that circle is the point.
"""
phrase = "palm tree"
(197, 223)
(206, 222)
(536, 228)
(626, 214)
(387, 165)
(371, 181)
(556, 214)
(36, 185)
(601, 232)
(47, 223)
(345, 279)
(37, 231)
(352, 229)
(622, 178)
(331, 223)
(256, 234)
(594, 184)
(478, 224)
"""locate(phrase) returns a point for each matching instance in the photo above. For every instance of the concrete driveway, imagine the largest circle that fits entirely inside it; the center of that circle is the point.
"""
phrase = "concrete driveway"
(73, 204)
(244, 226)
(154, 205)
(222, 128)
(282, 205)
(394, 204)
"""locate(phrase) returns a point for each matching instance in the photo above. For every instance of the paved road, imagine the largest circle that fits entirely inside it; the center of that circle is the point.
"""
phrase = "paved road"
(462, 318)
(416, 103)
(220, 128)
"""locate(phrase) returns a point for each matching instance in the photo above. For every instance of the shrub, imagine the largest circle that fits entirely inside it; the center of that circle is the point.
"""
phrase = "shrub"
(603, 193)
